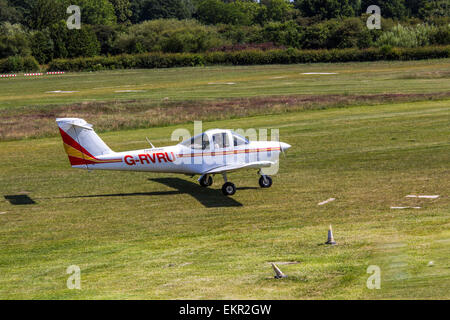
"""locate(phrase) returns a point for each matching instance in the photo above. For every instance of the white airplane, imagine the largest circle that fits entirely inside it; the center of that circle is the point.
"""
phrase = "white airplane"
(212, 152)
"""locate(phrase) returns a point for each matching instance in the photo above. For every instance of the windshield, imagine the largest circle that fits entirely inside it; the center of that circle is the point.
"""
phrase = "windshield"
(199, 142)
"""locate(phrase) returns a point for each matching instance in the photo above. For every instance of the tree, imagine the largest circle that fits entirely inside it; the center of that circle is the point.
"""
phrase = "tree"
(82, 43)
(44, 13)
(9, 13)
(73, 43)
(436, 8)
(165, 9)
(107, 35)
(42, 46)
(216, 11)
(283, 33)
(58, 32)
(326, 9)
(249, 9)
(169, 35)
(122, 10)
(389, 8)
(13, 40)
(348, 33)
(276, 10)
(96, 12)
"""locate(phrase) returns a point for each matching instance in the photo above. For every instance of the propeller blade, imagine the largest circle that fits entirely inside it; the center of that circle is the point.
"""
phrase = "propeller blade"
(282, 151)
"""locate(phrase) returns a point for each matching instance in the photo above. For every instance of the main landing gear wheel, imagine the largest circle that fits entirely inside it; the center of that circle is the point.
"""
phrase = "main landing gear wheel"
(206, 181)
(265, 181)
(228, 189)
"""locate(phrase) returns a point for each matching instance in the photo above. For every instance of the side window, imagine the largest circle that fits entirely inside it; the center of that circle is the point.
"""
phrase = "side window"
(220, 140)
(239, 140)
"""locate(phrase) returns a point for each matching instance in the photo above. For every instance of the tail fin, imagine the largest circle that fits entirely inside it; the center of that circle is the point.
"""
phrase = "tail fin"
(81, 143)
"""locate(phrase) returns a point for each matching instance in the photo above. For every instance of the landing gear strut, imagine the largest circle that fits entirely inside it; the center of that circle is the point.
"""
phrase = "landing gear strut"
(228, 188)
(205, 180)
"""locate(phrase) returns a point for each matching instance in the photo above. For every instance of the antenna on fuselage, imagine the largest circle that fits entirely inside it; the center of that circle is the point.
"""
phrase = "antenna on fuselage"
(153, 147)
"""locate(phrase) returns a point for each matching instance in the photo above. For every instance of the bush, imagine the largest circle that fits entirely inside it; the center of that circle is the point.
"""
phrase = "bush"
(247, 57)
(13, 40)
(42, 46)
(441, 36)
(169, 35)
(17, 63)
(283, 33)
(407, 37)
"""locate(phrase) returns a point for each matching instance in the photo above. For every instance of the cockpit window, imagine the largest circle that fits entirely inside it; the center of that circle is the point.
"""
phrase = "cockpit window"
(220, 140)
(199, 142)
(239, 140)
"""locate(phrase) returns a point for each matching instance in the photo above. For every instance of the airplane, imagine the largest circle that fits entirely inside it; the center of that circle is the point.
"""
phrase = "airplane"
(216, 151)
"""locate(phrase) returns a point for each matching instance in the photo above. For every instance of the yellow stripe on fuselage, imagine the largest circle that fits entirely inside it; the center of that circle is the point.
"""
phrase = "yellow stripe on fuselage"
(71, 151)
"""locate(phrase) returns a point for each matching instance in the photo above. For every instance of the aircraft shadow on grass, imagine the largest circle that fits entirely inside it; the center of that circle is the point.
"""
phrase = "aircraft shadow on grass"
(210, 198)
(19, 199)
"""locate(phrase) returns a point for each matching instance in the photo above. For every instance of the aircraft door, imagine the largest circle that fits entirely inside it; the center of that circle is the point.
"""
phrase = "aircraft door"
(221, 144)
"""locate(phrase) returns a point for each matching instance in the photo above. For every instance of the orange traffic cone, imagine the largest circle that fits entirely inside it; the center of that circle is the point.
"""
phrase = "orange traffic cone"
(330, 239)
(278, 273)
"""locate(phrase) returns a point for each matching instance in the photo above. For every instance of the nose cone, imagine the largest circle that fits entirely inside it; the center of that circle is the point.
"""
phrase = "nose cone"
(284, 146)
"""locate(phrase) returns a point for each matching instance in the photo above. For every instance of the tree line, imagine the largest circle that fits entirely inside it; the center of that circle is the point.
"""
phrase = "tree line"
(38, 28)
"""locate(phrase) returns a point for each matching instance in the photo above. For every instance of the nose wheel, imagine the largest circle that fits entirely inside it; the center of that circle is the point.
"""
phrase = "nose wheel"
(265, 181)
(228, 188)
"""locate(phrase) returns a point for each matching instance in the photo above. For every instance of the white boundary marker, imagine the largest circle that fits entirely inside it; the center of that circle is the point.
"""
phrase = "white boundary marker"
(422, 197)
(221, 82)
(323, 73)
(405, 207)
(33, 74)
(59, 91)
(326, 201)
(126, 91)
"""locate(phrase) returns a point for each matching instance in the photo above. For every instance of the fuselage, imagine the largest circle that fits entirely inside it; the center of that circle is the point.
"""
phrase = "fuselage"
(182, 159)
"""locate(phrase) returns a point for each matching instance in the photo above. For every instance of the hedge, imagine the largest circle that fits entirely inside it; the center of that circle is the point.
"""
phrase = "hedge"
(246, 57)
(17, 63)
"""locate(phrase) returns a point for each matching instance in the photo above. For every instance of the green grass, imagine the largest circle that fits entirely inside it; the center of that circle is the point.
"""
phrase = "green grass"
(138, 238)
(181, 84)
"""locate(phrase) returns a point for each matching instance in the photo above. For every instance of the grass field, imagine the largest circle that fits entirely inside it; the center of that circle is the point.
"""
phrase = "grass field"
(132, 99)
(154, 236)
(181, 84)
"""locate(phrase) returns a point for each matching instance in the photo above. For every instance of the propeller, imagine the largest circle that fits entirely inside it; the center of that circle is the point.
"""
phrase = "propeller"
(282, 151)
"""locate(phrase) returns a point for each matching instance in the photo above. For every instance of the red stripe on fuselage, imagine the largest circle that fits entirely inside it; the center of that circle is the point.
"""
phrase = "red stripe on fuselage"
(74, 161)
(221, 153)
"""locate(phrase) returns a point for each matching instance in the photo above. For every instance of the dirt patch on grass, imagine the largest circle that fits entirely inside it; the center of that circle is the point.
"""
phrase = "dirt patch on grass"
(426, 75)
(31, 122)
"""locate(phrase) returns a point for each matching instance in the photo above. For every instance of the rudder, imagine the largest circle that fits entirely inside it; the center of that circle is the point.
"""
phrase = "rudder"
(81, 143)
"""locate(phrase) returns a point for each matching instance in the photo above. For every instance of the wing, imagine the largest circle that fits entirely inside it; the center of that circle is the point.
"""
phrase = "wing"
(233, 167)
